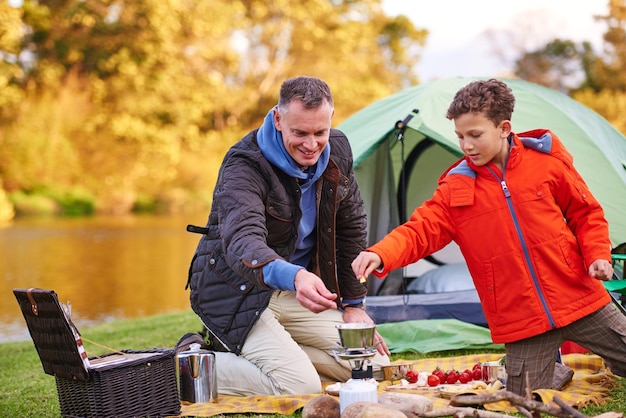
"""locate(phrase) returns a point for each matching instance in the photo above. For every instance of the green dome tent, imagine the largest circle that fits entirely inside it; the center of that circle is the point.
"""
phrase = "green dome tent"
(397, 169)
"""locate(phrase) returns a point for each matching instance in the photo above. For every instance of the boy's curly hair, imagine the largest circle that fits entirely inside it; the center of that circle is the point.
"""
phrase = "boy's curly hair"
(493, 97)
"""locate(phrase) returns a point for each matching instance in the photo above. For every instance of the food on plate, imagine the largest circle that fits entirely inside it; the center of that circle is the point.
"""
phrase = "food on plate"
(456, 388)
(477, 371)
(422, 379)
(465, 377)
(433, 380)
(440, 374)
(479, 384)
(466, 380)
(414, 379)
(452, 376)
(497, 385)
(448, 391)
(333, 389)
(412, 376)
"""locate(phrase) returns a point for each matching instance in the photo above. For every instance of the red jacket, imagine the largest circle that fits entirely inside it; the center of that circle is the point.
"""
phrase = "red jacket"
(528, 236)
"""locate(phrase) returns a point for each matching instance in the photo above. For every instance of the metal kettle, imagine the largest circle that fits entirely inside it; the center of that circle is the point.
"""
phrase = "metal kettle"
(196, 376)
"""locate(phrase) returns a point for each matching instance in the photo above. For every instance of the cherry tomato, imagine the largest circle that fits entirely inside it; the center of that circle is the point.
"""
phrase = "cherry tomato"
(477, 374)
(452, 377)
(465, 377)
(440, 374)
(412, 376)
(477, 366)
(433, 380)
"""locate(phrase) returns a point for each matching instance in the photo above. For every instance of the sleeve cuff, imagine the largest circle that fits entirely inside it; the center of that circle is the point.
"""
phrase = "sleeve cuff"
(354, 303)
(280, 275)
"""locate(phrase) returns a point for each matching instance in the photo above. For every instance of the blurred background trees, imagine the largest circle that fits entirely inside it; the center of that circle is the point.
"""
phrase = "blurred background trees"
(115, 106)
(118, 105)
(595, 78)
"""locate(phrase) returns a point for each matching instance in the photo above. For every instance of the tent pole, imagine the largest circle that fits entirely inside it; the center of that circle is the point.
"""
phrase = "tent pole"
(401, 127)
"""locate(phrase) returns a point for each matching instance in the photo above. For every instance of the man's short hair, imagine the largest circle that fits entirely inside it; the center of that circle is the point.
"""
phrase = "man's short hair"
(310, 90)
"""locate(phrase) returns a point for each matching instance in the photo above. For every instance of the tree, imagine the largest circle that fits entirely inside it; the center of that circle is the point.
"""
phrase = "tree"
(609, 69)
(596, 79)
(11, 32)
(606, 94)
(156, 90)
(561, 65)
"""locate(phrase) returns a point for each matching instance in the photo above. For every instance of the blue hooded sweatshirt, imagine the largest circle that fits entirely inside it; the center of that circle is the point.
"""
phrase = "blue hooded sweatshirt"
(280, 274)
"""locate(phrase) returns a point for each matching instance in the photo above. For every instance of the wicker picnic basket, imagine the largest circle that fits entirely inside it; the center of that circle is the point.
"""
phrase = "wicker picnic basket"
(128, 383)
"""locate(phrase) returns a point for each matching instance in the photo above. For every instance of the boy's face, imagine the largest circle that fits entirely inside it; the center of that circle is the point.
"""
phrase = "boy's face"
(481, 140)
(305, 131)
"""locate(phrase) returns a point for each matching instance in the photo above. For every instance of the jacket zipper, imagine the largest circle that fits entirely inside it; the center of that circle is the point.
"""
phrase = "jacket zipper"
(529, 264)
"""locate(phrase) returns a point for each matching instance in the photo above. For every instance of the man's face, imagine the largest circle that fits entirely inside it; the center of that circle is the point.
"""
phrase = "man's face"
(305, 131)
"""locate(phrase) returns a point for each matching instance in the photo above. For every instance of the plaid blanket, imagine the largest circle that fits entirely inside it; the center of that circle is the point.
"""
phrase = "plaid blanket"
(590, 384)
(281, 404)
(591, 381)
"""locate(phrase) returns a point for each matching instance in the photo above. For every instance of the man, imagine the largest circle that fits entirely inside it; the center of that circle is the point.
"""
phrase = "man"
(271, 277)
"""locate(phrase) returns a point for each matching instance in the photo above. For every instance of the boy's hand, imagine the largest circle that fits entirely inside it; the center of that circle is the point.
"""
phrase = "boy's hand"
(365, 263)
(601, 270)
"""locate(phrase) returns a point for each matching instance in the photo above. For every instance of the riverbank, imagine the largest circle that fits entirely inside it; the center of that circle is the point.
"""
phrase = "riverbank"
(26, 391)
(108, 267)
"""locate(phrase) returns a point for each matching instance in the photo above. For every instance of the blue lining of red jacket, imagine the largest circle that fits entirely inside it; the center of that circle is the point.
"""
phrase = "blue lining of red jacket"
(463, 169)
(541, 144)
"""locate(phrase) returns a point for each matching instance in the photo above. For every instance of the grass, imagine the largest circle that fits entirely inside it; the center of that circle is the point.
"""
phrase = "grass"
(26, 391)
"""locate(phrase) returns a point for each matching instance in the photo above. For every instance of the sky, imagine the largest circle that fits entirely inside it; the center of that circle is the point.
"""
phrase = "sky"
(458, 45)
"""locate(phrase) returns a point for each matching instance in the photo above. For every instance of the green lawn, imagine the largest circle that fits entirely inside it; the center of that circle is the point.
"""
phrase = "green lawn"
(26, 391)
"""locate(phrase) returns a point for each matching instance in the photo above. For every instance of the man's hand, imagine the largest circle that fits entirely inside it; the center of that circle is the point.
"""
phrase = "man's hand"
(352, 315)
(365, 263)
(601, 270)
(312, 293)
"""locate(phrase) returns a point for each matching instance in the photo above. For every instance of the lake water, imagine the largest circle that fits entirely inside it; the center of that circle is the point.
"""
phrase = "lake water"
(106, 267)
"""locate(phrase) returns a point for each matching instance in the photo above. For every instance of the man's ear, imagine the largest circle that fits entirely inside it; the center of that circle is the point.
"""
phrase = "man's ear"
(276, 119)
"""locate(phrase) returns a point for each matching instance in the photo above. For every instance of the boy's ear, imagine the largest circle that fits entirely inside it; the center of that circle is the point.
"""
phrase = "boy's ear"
(505, 128)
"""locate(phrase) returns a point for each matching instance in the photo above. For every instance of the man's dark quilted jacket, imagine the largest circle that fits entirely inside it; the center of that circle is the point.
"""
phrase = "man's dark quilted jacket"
(258, 224)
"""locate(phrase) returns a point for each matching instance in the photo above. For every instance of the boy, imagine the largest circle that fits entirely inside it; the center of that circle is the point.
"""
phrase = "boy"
(534, 238)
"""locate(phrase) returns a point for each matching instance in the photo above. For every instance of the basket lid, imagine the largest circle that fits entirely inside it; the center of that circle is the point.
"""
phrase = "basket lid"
(56, 338)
